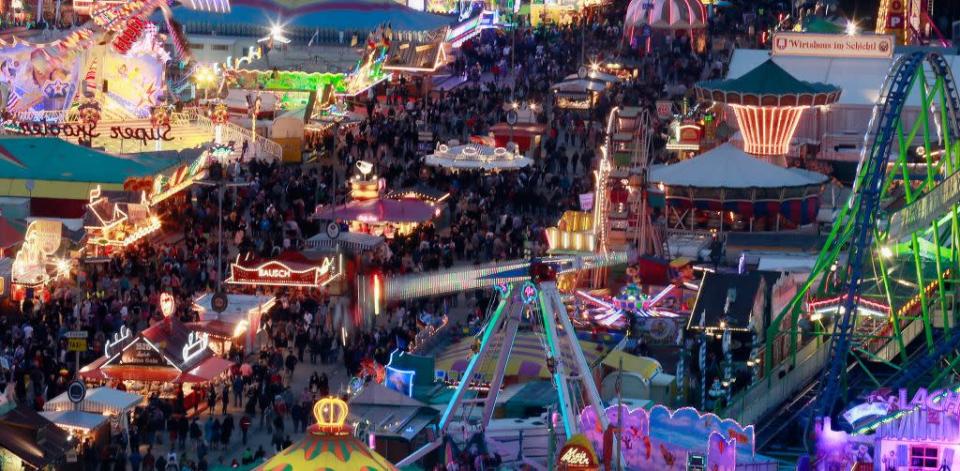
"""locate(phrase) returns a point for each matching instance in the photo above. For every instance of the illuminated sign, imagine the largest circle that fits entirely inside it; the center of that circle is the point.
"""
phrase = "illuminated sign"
(577, 454)
(943, 400)
(132, 32)
(464, 31)
(88, 131)
(196, 344)
(168, 305)
(142, 353)
(832, 45)
(275, 273)
(118, 338)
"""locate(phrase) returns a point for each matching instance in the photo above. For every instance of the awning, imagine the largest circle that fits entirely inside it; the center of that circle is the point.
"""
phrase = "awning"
(727, 166)
(356, 241)
(206, 371)
(85, 421)
(644, 366)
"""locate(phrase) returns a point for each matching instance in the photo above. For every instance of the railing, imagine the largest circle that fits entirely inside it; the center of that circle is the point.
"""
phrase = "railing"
(892, 348)
(766, 395)
(261, 146)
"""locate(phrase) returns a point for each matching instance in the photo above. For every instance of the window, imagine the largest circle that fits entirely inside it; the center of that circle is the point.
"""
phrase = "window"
(923, 458)
(219, 47)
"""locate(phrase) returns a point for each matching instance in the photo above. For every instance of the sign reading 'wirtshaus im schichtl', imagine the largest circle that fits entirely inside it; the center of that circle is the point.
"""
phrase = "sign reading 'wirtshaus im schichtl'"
(833, 45)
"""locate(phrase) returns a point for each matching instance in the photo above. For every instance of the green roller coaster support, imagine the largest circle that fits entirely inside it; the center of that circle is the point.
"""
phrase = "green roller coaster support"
(934, 248)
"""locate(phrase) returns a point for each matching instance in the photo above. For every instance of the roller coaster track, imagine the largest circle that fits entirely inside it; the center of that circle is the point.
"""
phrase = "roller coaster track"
(917, 219)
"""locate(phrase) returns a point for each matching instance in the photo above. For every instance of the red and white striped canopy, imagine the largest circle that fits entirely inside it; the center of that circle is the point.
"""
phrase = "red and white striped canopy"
(664, 14)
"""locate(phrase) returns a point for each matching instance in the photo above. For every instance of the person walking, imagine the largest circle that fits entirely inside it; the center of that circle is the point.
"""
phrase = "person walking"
(225, 398)
(244, 427)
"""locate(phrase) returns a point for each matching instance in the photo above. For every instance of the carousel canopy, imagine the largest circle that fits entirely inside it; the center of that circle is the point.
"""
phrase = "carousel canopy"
(380, 210)
(727, 166)
(328, 444)
(664, 14)
(527, 358)
(767, 85)
(308, 15)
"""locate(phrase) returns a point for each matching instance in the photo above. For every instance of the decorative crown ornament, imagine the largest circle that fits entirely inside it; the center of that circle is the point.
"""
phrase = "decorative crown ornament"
(331, 414)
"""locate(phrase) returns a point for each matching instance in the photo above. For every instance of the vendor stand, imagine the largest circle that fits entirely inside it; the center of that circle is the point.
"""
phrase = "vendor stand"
(239, 324)
(82, 427)
(106, 405)
(115, 220)
(163, 360)
(29, 441)
(527, 136)
(580, 94)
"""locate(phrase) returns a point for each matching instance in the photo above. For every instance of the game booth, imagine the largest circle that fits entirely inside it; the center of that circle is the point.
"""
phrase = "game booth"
(236, 324)
(165, 360)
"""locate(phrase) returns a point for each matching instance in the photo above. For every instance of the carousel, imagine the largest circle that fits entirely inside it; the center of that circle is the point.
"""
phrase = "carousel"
(328, 444)
(372, 212)
(725, 188)
(476, 157)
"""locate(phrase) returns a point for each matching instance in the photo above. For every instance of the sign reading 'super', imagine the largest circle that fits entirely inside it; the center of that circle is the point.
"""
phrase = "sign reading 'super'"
(833, 45)
(277, 273)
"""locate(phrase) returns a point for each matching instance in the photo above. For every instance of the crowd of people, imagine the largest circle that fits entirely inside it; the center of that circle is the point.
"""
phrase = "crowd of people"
(268, 210)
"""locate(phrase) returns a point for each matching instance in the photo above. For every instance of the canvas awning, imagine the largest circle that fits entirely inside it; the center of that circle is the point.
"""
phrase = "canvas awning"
(77, 419)
(97, 401)
(356, 241)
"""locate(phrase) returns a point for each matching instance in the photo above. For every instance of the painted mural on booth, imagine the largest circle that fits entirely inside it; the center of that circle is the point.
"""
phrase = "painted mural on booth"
(41, 77)
(661, 439)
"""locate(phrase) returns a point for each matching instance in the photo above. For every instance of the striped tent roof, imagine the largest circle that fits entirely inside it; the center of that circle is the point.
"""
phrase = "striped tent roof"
(319, 451)
(665, 14)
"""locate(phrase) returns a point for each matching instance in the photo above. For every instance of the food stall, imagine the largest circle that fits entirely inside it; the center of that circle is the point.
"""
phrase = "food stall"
(108, 404)
(162, 360)
(239, 322)
(115, 220)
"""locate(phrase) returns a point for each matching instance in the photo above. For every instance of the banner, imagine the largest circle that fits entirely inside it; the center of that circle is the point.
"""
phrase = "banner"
(833, 45)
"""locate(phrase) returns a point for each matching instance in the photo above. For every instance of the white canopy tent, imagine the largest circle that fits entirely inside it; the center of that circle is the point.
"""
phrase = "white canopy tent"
(98, 401)
(727, 166)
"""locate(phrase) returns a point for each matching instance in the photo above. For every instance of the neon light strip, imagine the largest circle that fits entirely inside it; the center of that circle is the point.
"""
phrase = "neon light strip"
(487, 333)
(558, 380)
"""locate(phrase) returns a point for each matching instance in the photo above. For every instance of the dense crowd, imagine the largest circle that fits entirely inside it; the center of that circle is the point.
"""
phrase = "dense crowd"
(267, 210)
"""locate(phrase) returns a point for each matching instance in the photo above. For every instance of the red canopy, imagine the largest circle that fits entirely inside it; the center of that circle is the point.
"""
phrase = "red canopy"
(381, 210)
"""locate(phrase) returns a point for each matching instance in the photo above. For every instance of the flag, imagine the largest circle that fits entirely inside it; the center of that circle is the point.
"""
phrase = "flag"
(313, 38)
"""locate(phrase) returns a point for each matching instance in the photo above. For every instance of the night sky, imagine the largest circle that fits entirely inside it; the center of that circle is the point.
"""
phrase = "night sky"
(946, 9)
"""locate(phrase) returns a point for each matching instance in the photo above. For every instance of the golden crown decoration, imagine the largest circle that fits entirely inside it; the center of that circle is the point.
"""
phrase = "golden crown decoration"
(331, 414)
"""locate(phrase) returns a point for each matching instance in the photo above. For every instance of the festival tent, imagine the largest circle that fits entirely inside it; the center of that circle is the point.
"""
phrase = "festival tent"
(301, 18)
(58, 175)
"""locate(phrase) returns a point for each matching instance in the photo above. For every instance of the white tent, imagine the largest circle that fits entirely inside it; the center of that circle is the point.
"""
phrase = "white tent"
(727, 166)
(98, 401)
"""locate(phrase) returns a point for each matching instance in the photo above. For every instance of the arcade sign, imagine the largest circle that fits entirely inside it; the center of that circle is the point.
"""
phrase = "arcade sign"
(277, 273)
(943, 400)
(833, 45)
